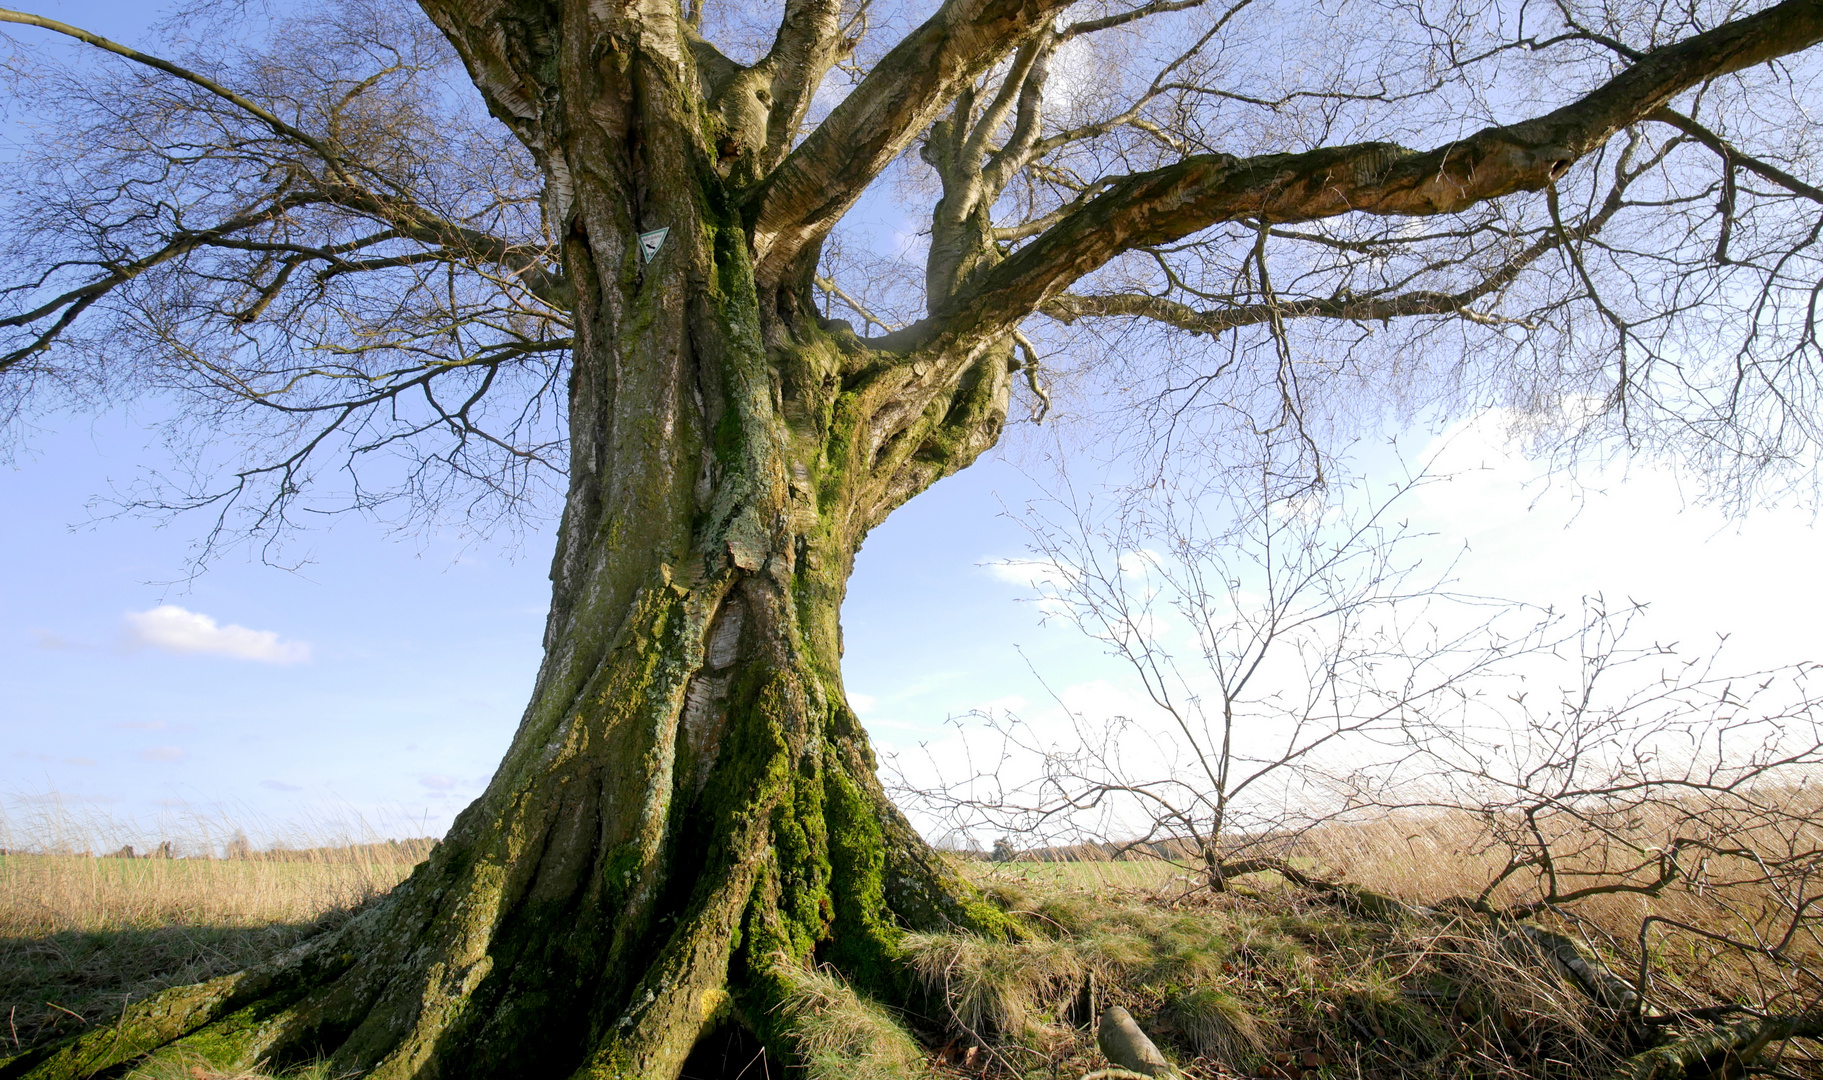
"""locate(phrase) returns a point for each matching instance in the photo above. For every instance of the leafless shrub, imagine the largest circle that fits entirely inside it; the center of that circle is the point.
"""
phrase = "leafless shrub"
(1665, 807)
(1284, 644)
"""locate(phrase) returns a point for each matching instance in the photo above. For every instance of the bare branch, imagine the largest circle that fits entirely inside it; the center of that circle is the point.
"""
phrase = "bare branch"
(1166, 204)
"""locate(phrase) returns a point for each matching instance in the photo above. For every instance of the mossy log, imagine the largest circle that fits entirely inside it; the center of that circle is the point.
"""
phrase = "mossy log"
(1583, 970)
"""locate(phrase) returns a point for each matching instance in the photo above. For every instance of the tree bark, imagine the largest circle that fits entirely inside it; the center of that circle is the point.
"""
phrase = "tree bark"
(689, 803)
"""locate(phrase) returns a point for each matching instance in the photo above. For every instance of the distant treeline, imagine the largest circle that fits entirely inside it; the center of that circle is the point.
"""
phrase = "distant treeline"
(410, 851)
(1173, 850)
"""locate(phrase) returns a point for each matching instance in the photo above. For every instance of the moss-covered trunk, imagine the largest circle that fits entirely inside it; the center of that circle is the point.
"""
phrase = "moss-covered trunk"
(689, 807)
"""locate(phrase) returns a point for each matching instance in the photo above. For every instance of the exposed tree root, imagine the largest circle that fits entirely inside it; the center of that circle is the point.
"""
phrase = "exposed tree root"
(462, 971)
(1564, 956)
(1127, 1046)
(1722, 1053)
(217, 1021)
(1584, 971)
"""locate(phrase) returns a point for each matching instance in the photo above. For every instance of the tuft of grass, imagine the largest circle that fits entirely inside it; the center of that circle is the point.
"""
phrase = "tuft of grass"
(1216, 1024)
(841, 1035)
(998, 986)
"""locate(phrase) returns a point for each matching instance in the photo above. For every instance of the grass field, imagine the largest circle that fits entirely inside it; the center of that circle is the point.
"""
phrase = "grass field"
(1265, 980)
(79, 936)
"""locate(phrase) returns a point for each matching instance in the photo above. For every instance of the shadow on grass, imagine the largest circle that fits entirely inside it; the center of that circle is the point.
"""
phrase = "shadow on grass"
(55, 986)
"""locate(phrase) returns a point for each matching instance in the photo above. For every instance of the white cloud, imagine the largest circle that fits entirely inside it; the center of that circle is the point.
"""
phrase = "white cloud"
(862, 704)
(163, 753)
(437, 783)
(1624, 533)
(1008, 704)
(173, 629)
(279, 785)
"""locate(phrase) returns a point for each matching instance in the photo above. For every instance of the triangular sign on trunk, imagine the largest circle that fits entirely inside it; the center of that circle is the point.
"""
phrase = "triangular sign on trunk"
(650, 241)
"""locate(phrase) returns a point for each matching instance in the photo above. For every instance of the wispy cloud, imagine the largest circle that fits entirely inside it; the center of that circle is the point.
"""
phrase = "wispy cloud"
(1031, 573)
(163, 753)
(45, 639)
(279, 785)
(437, 783)
(172, 629)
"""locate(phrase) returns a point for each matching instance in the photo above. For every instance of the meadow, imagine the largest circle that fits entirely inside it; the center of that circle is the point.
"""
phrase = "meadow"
(1383, 976)
(81, 935)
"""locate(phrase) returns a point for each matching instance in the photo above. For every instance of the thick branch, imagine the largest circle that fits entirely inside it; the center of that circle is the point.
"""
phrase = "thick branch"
(1724, 1050)
(1109, 22)
(531, 263)
(1068, 307)
(897, 100)
(806, 48)
(506, 54)
(1165, 205)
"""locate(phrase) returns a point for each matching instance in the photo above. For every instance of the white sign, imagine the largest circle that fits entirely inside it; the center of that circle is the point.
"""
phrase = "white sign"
(649, 242)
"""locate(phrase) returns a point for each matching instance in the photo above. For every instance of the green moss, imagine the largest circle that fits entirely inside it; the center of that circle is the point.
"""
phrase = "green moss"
(143, 1025)
(864, 943)
(233, 1042)
(620, 872)
(730, 438)
(801, 845)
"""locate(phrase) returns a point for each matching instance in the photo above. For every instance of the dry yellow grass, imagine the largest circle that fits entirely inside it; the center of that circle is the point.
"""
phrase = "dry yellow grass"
(79, 936)
(1251, 982)
(1747, 876)
(41, 895)
(1424, 859)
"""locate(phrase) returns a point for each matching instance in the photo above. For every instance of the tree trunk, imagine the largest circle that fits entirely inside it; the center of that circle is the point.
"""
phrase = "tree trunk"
(689, 806)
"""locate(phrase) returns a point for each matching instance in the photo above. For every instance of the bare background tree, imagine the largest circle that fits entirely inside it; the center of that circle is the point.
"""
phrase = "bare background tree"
(1284, 641)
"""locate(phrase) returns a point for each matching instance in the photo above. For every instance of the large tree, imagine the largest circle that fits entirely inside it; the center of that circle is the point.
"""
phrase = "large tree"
(1602, 205)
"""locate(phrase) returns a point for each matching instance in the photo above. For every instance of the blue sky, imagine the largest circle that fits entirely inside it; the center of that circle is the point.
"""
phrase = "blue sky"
(376, 688)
